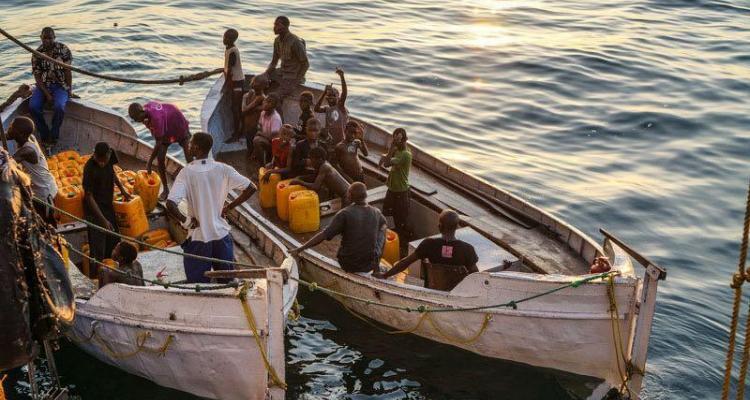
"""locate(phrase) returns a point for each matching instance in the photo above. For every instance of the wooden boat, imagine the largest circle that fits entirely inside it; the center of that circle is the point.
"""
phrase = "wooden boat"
(523, 251)
(197, 342)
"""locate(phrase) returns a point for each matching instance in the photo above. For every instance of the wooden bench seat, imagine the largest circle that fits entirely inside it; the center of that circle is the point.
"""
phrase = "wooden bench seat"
(332, 206)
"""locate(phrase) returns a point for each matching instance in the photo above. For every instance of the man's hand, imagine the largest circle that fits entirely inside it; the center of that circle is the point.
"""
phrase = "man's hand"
(149, 168)
(225, 210)
(379, 275)
(357, 142)
(294, 253)
(107, 225)
(340, 71)
(266, 177)
(295, 182)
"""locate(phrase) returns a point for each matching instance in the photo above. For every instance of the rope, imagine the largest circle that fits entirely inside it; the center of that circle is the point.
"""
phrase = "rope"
(140, 345)
(617, 336)
(313, 286)
(181, 80)
(738, 280)
(251, 322)
(141, 243)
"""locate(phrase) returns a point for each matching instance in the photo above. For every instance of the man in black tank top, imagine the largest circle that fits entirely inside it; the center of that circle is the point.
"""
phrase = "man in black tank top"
(445, 250)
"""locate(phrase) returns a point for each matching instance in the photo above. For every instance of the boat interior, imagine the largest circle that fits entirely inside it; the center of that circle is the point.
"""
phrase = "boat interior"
(156, 264)
(505, 238)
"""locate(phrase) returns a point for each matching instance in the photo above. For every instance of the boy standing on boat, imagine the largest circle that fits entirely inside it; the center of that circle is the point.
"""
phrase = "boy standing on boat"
(291, 51)
(347, 152)
(53, 85)
(362, 230)
(306, 100)
(396, 202)
(205, 185)
(31, 157)
(336, 113)
(167, 125)
(99, 180)
(234, 79)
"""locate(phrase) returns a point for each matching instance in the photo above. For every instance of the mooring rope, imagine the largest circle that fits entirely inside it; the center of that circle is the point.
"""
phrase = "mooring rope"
(181, 80)
(738, 279)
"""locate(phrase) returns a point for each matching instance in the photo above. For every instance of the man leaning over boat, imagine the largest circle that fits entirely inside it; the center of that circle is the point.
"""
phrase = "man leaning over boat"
(205, 185)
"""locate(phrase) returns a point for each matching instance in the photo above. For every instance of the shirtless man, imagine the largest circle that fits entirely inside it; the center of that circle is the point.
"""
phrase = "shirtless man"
(347, 152)
(325, 175)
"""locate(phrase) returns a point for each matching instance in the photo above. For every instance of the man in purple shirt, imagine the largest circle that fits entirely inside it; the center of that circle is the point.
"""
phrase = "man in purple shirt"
(167, 125)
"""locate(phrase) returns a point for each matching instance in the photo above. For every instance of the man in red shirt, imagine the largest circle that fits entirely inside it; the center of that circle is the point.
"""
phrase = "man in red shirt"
(167, 125)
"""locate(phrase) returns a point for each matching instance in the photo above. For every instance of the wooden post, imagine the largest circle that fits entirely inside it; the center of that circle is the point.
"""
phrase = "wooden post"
(275, 337)
(639, 347)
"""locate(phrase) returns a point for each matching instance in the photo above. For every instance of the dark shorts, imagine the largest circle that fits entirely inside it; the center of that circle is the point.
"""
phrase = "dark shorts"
(101, 244)
(222, 249)
(396, 205)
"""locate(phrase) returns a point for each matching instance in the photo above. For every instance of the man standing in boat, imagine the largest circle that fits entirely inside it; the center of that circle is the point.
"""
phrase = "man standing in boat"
(205, 185)
(167, 125)
(396, 202)
(292, 52)
(53, 85)
(362, 230)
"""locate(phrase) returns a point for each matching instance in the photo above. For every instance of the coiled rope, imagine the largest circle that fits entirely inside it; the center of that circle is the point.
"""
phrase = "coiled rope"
(738, 279)
(181, 80)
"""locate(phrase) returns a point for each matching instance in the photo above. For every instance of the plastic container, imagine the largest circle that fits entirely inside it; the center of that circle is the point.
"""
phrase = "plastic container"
(283, 190)
(52, 164)
(72, 181)
(304, 211)
(70, 199)
(267, 191)
(68, 155)
(391, 248)
(67, 172)
(130, 216)
(147, 186)
(155, 236)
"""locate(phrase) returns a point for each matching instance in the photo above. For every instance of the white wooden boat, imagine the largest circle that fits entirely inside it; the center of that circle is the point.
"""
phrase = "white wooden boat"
(569, 330)
(197, 342)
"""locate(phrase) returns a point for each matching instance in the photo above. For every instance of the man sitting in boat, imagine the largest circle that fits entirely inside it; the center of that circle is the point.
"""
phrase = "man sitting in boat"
(325, 174)
(270, 123)
(31, 157)
(301, 149)
(362, 230)
(167, 125)
(129, 270)
(99, 180)
(347, 152)
(443, 252)
(53, 85)
(205, 185)
(292, 52)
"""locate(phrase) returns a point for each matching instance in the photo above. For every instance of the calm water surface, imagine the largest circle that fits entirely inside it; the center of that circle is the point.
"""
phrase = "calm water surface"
(632, 116)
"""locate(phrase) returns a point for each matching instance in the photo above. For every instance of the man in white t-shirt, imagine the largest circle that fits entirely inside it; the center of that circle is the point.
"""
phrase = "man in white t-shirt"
(205, 184)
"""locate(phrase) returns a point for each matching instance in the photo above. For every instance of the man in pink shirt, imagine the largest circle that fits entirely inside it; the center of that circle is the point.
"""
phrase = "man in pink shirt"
(167, 125)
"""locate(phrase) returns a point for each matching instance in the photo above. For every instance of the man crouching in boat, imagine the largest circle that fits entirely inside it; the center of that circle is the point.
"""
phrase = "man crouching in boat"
(325, 175)
(205, 184)
(362, 230)
(444, 251)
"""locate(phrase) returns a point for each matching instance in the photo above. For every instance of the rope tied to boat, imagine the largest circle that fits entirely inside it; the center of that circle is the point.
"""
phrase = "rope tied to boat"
(181, 80)
(242, 295)
(140, 344)
(738, 279)
(617, 339)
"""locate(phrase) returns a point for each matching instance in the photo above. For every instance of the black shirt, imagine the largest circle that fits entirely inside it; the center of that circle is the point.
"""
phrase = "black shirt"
(100, 182)
(300, 153)
(441, 251)
(300, 133)
(362, 237)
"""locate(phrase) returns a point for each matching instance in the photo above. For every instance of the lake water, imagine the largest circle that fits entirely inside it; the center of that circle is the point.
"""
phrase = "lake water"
(632, 116)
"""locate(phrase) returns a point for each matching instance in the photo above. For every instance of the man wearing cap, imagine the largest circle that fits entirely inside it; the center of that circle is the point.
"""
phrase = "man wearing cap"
(291, 51)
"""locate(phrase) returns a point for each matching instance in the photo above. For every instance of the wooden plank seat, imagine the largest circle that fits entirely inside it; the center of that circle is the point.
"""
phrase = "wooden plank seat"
(332, 206)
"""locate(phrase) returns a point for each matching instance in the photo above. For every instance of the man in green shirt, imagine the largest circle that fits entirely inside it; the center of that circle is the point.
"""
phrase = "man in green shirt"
(396, 204)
